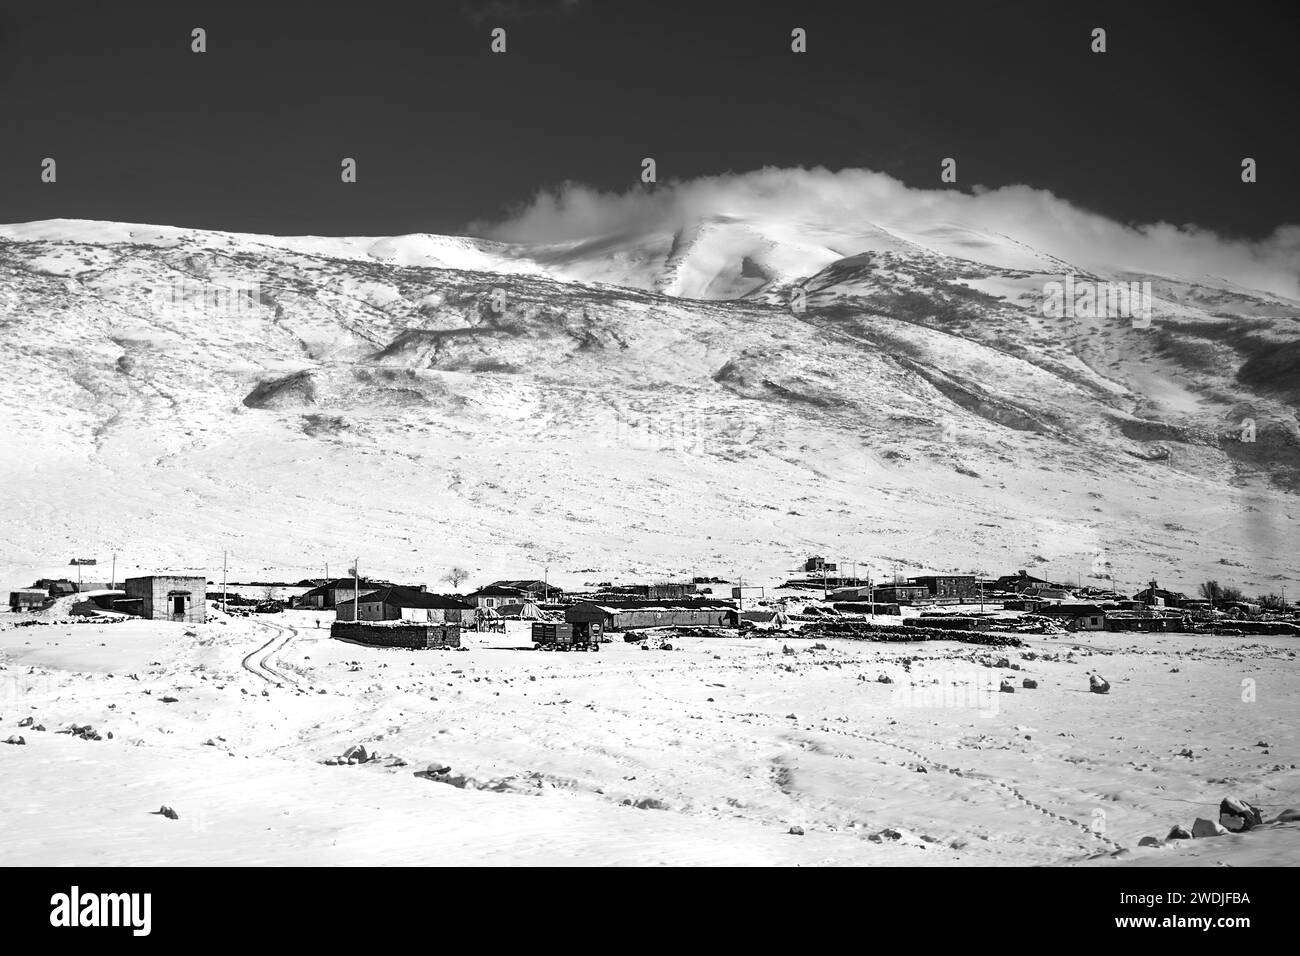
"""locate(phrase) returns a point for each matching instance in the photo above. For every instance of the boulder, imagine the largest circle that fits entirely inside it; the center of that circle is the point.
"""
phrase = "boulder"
(1179, 832)
(168, 812)
(1287, 816)
(358, 753)
(1007, 687)
(1238, 815)
(1029, 684)
(796, 831)
(1097, 684)
(1148, 841)
(16, 740)
(1206, 828)
(26, 721)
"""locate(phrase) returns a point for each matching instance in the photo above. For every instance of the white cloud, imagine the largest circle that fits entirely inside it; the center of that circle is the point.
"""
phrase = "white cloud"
(852, 200)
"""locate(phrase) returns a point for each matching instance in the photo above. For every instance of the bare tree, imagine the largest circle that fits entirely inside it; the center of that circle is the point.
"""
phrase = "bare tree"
(455, 576)
(1271, 602)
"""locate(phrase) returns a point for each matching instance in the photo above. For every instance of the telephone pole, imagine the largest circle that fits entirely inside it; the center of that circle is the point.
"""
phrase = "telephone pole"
(356, 589)
(224, 554)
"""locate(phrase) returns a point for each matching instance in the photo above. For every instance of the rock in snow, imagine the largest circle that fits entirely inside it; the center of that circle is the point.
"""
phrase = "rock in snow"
(1238, 815)
(1206, 828)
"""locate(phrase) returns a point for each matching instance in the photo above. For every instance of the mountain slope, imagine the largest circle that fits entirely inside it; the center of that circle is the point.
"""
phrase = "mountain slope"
(173, 393)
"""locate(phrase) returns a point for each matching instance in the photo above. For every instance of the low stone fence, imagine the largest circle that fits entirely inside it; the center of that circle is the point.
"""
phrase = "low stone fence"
(862, 630)
(397, 634)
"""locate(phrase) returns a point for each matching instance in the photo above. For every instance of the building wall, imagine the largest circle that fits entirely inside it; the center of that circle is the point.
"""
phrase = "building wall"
(366, 611)
(498, 600)
(157, 603)
(900, 594)
(668, 592)
(686, 617)
(375, 611)
(948, 585)
(435, 615)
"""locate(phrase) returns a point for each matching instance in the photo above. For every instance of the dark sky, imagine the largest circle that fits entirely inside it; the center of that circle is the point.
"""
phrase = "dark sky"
(249, 135)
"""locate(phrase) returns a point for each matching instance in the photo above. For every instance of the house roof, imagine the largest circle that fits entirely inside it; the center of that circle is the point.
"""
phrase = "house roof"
(1022, 576)
(688, 604)
(1072, 610)
(349, 584)
(494, 590)
(524, 584)
(1161, 592)
(411, 598)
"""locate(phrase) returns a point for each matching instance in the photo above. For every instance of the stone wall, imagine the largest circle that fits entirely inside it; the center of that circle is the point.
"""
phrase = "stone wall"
(397, 634)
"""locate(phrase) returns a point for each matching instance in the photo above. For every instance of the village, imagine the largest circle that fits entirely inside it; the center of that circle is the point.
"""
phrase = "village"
(820, 599)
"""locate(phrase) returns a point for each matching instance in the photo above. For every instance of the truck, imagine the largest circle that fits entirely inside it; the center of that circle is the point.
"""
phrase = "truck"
(555, 636)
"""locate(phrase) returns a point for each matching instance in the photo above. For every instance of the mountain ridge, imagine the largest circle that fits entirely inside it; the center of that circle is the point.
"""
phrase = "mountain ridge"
(920, 405)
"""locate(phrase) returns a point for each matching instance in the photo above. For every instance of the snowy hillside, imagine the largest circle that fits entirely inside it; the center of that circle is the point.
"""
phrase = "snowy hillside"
(640, 405)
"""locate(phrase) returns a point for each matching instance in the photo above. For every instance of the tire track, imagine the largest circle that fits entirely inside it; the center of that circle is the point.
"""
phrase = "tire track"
(258, 662)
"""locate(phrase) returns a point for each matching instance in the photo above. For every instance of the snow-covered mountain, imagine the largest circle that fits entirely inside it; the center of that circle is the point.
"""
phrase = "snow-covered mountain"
(640, 403)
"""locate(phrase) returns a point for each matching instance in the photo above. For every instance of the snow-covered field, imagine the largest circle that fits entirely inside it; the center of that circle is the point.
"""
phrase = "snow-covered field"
(708, 753)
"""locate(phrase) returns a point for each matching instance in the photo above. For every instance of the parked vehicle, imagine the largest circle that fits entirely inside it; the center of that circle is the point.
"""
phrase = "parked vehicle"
(555, 636)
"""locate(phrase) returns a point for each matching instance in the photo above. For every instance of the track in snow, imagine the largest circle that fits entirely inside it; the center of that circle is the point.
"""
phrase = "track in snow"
(259, 661)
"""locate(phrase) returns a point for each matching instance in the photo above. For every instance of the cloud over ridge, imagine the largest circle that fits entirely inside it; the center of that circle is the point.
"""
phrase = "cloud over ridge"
(852, 201)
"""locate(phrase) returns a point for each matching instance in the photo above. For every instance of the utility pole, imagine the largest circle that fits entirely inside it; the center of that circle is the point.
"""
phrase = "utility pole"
(546, 585)
(223, 581)
(112, 585)
(356, 590)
